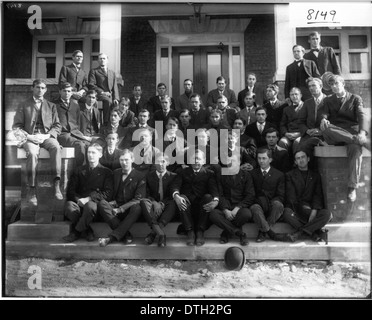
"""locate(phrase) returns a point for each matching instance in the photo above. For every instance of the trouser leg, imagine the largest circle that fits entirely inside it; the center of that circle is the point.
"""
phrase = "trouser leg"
(88, 215)
(32, 151)
(202, 221)
(259, 218)
(218, 218)
(275, 212)
(132, 215)
(105, 212)
(72, 212)
(355, 157)
(168, 213)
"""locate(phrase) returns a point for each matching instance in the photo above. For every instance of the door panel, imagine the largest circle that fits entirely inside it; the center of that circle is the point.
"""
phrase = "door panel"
(202, 64)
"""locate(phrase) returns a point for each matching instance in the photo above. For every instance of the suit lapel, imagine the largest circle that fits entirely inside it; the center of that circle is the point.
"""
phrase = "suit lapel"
(299, 179)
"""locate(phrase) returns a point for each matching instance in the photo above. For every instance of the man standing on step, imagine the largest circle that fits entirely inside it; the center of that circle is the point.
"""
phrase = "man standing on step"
(124, 210)
(38, 119)
(196, 194)
(269, 185)
(103, 80)
(236, 196)
(344, 121)
(88, 185)
(304, 209)
(159, 208)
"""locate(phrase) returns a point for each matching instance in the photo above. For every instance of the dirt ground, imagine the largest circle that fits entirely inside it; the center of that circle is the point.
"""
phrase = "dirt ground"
(185, 279)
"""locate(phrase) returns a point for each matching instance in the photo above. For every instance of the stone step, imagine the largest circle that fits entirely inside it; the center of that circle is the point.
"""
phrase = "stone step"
(178, 250)
(22, 230)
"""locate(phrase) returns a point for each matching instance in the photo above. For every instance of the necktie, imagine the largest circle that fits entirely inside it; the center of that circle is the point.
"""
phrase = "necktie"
(260, 127)
(124, 177)
(317, 50)
(264, 173)
(142, 153)
(161, 193)
(299, 62)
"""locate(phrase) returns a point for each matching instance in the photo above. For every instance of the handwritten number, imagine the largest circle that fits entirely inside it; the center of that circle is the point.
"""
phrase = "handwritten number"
(310, 12)
(316, 16)
(333, 14)
(324, 14)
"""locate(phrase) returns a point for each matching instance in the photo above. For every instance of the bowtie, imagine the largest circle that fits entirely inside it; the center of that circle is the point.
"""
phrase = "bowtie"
(38, 100)
(312, 50)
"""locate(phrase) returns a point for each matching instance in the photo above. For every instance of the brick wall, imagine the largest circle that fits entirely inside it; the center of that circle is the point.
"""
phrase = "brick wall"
(259, 46)
(333, 169)
(138, 51)
(18, 45)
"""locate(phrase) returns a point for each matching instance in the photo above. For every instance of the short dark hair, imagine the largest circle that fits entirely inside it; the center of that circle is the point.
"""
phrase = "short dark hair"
(301, 150)
(76, 52)
(242, 119)
(97, 146)
(221, 78)
(38, 81)
(192, 82)
(265, 150)
(173, 119)
(261, 108)
(92, 92)
(271, 130)
(185, 111)
(65, 85)
(161, 84)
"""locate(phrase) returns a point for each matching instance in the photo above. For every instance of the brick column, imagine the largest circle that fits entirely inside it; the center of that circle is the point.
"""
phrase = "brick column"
(333, 167)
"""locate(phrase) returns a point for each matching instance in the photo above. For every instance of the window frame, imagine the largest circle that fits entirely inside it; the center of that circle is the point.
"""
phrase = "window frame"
(343, 36)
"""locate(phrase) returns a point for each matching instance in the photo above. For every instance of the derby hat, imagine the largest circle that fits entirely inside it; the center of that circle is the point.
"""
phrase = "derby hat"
(325, 79)
(234, 258)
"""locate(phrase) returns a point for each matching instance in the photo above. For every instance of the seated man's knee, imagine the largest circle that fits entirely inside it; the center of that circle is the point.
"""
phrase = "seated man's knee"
(277, 204)
(207, 198)
(287, 214)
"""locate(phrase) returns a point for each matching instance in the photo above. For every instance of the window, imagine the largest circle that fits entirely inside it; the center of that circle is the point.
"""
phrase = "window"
(351, 45)
(47, 61)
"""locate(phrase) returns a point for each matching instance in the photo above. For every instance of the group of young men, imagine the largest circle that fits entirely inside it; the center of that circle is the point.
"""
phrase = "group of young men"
(232, 161)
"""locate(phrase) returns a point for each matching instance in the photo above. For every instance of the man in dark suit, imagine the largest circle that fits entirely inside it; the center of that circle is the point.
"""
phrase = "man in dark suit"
(90, 119)
(310, 116)
(143, 118)
(165, 113)
(248, 110)
(279, 155)
(256, 129)
(154, 104)
(298, 72)
(304, 209)
(289, 127)
(196, 193)
(199, 115)
(88, 185)
(159, 207)
(75, 75)
(128, 117)
(124, 210)
(38, 119)
(103, 80)
(252, 88)
(245, 141)
(236, 196)
(269, 185)
(324, 57)
(137, 102)
(183, 101)
(69, 117)
(273, 105)
(344, 120)
(111, 154)
(228, 114)
(214, 94)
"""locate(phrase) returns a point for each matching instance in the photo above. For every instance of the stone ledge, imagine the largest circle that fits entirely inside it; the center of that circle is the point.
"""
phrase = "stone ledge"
(67, 153)
(336, 152)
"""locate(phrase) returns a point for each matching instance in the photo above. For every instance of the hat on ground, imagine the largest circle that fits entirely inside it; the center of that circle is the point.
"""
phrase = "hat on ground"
(234, 258)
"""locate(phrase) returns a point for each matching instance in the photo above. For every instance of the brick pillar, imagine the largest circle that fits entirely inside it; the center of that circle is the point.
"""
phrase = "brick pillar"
(333, 167)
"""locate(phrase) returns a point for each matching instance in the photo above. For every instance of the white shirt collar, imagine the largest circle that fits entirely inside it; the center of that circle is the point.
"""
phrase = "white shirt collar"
(267, 170)
(161, 174)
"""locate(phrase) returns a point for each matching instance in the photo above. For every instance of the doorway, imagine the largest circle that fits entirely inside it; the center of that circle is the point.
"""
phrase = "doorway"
(202, 64)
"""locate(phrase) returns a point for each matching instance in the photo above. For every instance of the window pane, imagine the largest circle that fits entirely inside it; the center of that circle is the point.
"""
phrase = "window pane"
(302, 41)
(94, 62)
(164, 71)
(186, 69)
(95, 45)
(47, 46)
(214, 69)
(358, 42)
(46, 67)
(236, 73)
(164, 52)
(71, 46)
(330, 41)
(355, 63)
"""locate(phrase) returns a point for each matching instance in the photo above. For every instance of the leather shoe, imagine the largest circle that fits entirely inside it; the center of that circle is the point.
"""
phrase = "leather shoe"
(150, 238)
(73, 236)
(162, 242)
(224, 237)
(200, 238)
(261, 237)
(103, 242)
(190, 238)
(243, 239)
(320, 235)
(293, 237)
(90, 236)
(351, 195)
(128, 238)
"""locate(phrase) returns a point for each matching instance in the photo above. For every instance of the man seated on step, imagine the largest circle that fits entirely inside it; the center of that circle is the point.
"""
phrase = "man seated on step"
(345, 121)
(38, 119)
(236, 196)
(304, 209)
(196, 193)
(88, 185)
(124, 210)
(269, 185)
(158, 207)
(111, 153)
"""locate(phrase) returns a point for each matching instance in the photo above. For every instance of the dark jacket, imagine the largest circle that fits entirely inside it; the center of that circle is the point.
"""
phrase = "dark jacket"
(152, 186)
(77, 79)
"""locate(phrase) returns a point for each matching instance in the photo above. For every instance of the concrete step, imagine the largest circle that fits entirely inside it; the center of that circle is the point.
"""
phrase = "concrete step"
(177, 249)
(338, 232)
